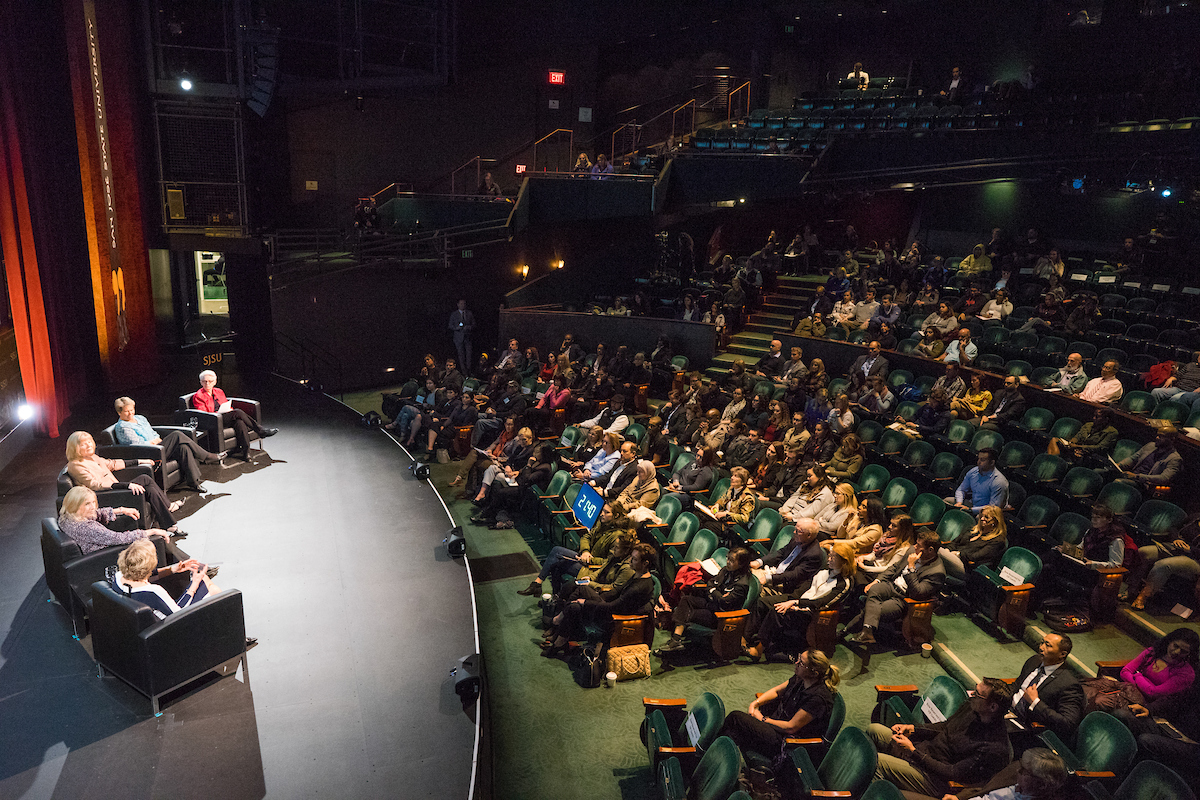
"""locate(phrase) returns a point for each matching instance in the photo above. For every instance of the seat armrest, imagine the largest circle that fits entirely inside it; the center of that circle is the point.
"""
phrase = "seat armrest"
(1024, 587)
(741, 612)
(804, 742)
(904, 688)
(194, 640)
(827, 793)
(252, 408)
(651, 703)
(1080, 773)
(186, 430)
(131, 452)
(676, 751)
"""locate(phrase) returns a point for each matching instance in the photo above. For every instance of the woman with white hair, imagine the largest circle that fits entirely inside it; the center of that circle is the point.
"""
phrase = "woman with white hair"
(86, 522)
(209, 398)
(134, 429)
(96, 473)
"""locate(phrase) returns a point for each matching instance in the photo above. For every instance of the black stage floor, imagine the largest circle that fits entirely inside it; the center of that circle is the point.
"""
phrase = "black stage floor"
(359, 613)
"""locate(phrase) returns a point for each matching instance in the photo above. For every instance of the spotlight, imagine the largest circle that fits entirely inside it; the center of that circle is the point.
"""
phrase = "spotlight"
(524, 271)
(467, 677)
(742, 199)
(185, 82)
(1166, 192)
(390, 369)
(24, 411)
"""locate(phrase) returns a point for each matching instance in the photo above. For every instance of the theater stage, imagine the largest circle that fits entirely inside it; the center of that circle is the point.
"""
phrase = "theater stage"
(359, 614)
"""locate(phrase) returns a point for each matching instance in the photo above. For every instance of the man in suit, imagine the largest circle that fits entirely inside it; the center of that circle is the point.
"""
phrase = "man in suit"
(622, 474)
(867, 366)
(1007, 406)
(955, 90)
(920, 577)
(794, 564)
(1046, 693)
(461, 323)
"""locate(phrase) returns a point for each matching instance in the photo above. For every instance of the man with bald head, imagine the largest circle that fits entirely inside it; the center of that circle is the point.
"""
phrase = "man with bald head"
(1071, 378)
(866, 367)
(772, 364)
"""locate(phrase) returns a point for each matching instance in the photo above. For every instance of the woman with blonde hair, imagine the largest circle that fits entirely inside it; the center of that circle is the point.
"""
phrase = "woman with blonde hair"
(828, 589)
(138, 563)
(737, 504)
(96, 473)
(603, 462)
(797, 708)
(515, 456)
(985, 544)
(86, 523)
(843, 507)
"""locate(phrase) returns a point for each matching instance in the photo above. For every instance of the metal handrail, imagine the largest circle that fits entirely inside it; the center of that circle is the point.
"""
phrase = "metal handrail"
(478, 162)
(311, 355)
(570, 142)
(675, 113)
(746, 86)
(612, 146)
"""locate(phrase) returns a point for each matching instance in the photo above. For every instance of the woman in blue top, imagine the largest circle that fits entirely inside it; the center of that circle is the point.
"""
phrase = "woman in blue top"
(134, 429)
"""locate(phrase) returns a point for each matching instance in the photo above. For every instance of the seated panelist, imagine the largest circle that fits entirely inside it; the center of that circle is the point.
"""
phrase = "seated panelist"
(96, 473)
(209, 398)
(134, 429)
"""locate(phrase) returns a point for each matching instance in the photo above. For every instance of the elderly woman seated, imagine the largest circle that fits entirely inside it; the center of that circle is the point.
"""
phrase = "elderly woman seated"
(138, 573)
(209, 398)
(85, 522)
(644, 491)
(134, 429)
(140, 578)
(96, 473)
(635, 597)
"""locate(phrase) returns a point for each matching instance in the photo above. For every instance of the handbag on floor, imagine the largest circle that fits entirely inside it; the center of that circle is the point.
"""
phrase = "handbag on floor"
(589, 671)
(629, 662)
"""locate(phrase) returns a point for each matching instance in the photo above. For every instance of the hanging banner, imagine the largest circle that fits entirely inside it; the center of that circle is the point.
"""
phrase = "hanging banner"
(106, 172)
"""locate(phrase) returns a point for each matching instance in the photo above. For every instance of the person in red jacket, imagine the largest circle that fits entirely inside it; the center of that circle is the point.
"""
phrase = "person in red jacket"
(209, 398)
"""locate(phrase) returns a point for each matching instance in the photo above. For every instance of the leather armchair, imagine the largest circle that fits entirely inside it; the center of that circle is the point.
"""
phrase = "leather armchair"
(70, 574)
(218, 437)
(166, 472)
(158, 656)
(112, 498)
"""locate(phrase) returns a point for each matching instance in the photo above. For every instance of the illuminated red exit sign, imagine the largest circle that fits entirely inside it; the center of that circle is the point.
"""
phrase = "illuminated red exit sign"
(558, 78)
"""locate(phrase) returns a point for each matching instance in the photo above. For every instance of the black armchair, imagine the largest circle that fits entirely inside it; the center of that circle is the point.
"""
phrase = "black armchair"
(158, 656)
(70, 574)
(219, 436)
(113, 498)
(166, 472)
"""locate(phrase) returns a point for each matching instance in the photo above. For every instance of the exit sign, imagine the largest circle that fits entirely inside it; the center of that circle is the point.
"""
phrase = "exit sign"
(468, 253)
(520, 168)
(558, 78)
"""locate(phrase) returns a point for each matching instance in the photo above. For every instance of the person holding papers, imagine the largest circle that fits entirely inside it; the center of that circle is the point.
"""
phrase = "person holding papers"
(211, 399)
(920, 576)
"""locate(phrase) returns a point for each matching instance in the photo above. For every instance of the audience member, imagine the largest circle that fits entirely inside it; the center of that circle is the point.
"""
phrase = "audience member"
(1096, 437)
(1183, 386)
(919, 577)
(974, 402)
(726, 591)
(961, 351)
(951, 382)
(1156, 464)
(800, 706)
(636, 597)
(984, 544)
(1158, 561)
(1105, 389)
(931, 344)
(827, 588)
(1007, 405)
(983, 485)
(968, 748)
(847, 461)
(1047, 693)
(866, 366)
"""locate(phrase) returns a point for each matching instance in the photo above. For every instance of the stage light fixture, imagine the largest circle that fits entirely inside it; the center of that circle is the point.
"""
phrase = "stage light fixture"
(456, 542)
(24, 411)
(185, 82)
(1166, 192)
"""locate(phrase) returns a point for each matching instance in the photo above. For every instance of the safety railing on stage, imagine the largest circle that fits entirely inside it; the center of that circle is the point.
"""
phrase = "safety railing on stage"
(309, 364)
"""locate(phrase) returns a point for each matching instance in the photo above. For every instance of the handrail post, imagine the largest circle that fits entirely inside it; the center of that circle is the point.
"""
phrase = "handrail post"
(729, 111)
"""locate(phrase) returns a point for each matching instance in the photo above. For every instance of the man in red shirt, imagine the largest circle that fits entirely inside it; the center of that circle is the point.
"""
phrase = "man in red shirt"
(209, 398)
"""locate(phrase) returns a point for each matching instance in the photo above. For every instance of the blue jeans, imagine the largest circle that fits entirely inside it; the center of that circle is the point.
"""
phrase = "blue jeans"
(1176, 394)
(486, 431)
(560, 562)
(404, 420)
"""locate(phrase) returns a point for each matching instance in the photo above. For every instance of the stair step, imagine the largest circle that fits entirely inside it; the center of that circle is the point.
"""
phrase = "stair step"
(763, 327)
(765, 338)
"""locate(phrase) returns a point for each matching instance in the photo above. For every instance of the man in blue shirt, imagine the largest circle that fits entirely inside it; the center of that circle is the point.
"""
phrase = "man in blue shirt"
(983, 486)
(134, 429)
